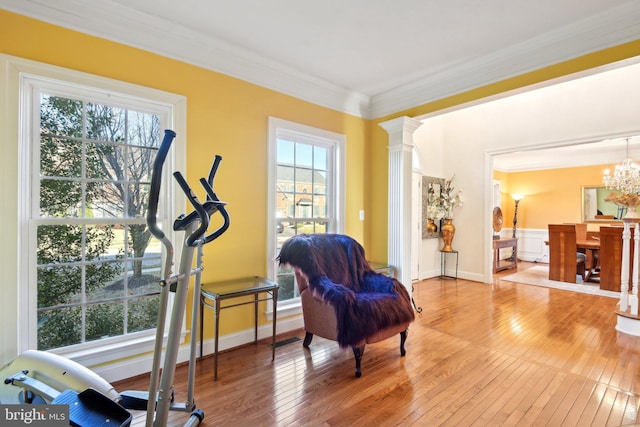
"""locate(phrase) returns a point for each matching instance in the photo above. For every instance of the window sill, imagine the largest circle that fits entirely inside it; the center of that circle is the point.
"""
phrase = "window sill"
(286, 309)
(101, 353)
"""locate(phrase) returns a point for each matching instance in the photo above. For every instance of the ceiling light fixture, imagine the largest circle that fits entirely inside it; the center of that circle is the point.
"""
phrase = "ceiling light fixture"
(626, 176)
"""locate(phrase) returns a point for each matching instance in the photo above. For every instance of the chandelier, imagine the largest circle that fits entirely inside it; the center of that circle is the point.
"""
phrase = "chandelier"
(625, 178)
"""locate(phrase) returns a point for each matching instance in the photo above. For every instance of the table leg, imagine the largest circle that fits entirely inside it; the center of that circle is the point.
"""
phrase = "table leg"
(274, 298)
(255, 318)
(588, 264)
(216, 311)
(457, 258)
(201, 325)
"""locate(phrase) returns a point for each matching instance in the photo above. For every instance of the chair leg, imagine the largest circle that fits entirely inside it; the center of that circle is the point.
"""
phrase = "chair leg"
(403, 339)
(307, 340)
(357, 353)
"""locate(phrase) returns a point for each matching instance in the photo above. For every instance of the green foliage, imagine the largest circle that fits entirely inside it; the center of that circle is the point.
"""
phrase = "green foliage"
(59, 328)
(104, 320)
(143, 314)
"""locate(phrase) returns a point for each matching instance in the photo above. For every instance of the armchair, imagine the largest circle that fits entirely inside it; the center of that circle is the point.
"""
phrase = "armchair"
(343, 299)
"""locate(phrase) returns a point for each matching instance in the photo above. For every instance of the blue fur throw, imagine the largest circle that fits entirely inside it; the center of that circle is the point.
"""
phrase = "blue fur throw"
(338, 272)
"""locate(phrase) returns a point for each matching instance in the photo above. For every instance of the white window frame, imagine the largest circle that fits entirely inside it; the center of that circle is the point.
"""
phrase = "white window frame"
(338, 142)
(19, 77)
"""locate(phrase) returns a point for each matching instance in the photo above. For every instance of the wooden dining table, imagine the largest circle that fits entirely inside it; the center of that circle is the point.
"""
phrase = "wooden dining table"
(591, 249)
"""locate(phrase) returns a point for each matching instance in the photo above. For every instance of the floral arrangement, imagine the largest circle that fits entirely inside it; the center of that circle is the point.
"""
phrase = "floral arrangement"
(629, 200)
(442, 205)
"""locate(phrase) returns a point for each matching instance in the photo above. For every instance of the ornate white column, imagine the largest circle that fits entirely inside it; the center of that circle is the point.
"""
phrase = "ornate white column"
(624, 275)
(633, 298)
(400, 132)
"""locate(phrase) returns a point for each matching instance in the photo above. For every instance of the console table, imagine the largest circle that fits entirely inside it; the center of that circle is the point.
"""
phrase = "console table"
(212, 294)
(512, 262)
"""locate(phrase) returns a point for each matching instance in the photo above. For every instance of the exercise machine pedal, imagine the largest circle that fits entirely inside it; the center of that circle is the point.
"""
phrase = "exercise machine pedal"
(92, 408)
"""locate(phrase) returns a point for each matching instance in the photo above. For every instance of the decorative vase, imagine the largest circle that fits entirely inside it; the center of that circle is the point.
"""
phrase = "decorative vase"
(448, 231)
(431, 226)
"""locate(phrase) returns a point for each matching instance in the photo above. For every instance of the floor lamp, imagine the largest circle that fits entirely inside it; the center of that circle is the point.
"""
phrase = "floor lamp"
(517, 198)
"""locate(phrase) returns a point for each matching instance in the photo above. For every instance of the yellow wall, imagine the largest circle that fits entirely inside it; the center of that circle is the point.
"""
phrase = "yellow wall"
(225, 116)
(551, 196)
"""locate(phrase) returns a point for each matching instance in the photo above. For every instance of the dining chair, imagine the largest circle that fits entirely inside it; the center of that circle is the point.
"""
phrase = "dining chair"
(611, 257)
(565, 262)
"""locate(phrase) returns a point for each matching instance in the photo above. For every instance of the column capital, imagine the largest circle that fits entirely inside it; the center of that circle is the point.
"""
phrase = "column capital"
(398, 126)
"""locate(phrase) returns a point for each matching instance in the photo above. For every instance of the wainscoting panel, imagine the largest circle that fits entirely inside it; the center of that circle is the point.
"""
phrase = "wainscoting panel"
(531, 244)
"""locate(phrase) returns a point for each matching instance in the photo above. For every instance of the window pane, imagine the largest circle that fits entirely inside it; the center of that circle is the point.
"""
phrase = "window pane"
(319, 207)
(104, 320)
(137, 200)
(285, 153)
(105, 161)
(304, 180)
(99, 281)
(98, 290)
(304, 155)
(320, 183)
(303, 206)
(59, 198)
(61, 116)
(140, 164)
(320, 158)
(59, 285)
(286, 280)
(60, 157)
(143, 129)
(143, 314)
(105, 200)
(59, 244)
(59, 328)
(105, 123)
(286, 205)
(309, 227)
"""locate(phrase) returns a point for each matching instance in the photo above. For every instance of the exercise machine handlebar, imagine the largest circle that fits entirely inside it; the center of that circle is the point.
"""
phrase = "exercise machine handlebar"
(213, 198)
(200, 210)
(214, 169)
(156, 183)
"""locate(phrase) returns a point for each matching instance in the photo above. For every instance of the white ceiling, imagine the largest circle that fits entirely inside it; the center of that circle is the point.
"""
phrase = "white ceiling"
(364, 57)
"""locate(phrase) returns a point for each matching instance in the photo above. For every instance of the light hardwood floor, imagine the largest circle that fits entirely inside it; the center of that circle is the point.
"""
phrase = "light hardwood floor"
(479, 354)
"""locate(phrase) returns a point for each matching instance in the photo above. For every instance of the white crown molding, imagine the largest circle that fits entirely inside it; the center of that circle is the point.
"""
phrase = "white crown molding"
(111, 20)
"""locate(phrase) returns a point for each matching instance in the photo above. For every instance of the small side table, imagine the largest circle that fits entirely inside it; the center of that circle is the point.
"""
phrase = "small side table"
(443, 264)
(382, 268)
(212, 294)
(498, 264)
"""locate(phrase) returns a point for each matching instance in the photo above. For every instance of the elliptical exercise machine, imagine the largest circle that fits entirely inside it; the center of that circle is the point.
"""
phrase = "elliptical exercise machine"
(37, 377)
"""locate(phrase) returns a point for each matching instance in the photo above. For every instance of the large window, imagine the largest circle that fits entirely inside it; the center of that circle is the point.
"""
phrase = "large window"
(306, 187)
(89, 268)
(97, 265)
